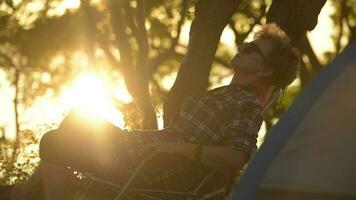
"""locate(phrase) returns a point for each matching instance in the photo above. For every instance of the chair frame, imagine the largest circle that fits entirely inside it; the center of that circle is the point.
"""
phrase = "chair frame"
(123, 189)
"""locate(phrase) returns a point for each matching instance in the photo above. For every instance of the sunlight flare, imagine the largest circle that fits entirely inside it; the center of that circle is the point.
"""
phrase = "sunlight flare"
(90, 95)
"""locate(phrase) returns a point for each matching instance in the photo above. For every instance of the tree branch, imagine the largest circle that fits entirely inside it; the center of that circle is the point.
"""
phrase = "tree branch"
(211, 17)
(143, 98)
(135, 75)
(341, 25)
(183, 13)
(305, 47)
(295, 17)
(240, 37)
(7, 60)
(113, 61)
(122, 40)
(169, 53)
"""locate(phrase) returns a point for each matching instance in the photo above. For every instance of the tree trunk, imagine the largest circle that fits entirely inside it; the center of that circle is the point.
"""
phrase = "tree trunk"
(211, 17)
(135, 73)
(295, 17)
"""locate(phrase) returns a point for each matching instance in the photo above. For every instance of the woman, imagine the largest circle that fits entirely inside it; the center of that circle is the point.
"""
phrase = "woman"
(215, 132)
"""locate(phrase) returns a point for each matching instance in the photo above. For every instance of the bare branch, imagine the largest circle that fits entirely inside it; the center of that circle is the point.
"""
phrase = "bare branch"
(305, 46)
(240, 37)
(183, 14)
(7, 60)
(295, 17)
(167, 55)
(305, 75)
(141, 16)
(122, 40)
(143, 97)
(342, 16)
(351, 27)
(113, 61)
(136, 74)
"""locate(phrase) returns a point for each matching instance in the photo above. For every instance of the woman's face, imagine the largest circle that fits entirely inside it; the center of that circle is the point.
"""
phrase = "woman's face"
(251, 57)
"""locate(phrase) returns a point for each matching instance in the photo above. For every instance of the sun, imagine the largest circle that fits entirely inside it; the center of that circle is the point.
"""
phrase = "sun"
(90, 95)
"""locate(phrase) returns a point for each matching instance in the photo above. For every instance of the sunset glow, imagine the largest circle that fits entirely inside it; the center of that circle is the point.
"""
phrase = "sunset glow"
(89, 94)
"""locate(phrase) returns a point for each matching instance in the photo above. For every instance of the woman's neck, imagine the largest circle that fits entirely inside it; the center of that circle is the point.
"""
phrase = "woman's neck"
(262, 91)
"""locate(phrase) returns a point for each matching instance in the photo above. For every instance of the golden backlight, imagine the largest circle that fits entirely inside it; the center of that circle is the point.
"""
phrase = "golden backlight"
(90, 95)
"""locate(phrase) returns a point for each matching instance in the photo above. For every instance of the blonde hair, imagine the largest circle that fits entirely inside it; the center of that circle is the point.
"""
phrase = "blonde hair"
(274, 32)
(284, 60)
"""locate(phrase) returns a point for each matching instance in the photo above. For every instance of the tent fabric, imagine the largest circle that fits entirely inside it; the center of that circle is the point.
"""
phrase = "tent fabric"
(311, 148)
(271, 194)
(320, 155)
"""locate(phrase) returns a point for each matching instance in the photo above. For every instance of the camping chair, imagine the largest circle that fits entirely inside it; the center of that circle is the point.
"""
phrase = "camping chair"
(123, 190)
(276, 93)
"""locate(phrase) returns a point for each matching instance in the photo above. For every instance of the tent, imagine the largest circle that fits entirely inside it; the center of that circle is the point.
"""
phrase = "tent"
(311, 152)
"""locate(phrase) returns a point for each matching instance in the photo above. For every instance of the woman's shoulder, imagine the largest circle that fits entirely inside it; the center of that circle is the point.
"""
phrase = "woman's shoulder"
(225, 97)
(235, 96)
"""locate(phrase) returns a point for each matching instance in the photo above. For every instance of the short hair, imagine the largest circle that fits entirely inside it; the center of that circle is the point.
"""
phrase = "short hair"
(284, 59)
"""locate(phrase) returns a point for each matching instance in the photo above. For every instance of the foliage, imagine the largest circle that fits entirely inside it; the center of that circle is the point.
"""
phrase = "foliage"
(17, 168)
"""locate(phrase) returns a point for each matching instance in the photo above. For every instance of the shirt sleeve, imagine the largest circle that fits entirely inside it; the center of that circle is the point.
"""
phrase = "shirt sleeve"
(241, 126)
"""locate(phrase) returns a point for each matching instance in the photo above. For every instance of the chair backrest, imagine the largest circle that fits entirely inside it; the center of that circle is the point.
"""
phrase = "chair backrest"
(277, 92)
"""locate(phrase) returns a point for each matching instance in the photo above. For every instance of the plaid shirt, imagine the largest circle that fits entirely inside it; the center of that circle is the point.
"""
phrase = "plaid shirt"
(226, 116)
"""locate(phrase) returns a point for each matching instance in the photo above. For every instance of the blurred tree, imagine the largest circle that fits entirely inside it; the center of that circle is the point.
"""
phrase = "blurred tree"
(344, 18)
(39, 40)
(107, 25)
